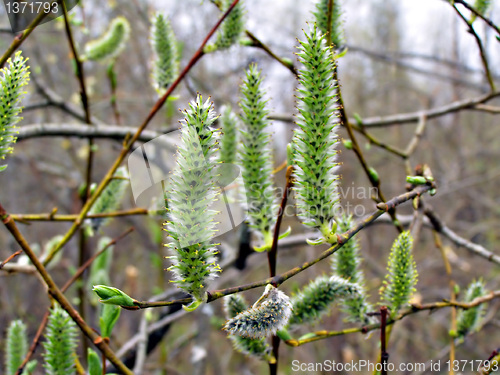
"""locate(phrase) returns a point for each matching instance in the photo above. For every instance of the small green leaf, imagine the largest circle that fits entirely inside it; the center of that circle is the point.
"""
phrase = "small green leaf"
(113, 296)
(109, 316)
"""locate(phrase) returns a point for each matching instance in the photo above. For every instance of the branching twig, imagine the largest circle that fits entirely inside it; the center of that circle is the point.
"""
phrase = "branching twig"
(476, 249)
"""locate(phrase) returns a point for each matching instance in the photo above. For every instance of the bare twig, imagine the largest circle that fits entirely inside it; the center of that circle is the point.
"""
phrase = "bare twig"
(476, 249)
(2, 265)
(482, 53)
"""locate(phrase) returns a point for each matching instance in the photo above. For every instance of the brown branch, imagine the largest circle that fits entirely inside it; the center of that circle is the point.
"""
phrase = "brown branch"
(20, 38)
(258, 44)
(56, 293)
(18, 252)
(415, 308)
(66, 286)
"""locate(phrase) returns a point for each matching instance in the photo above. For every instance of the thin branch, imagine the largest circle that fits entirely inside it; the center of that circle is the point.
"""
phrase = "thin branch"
(18, 252)
(479, 15)
(482, 53)
(474, 248)
(54, 217)
(258, 44)
(412, 117)
(56, 293)
(415, 308)
(20, 38)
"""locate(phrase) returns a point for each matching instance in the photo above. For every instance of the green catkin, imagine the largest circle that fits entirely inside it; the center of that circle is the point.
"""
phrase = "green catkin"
(482, 6)
(256, 159)
(315, 300)
(267, 316)
(469, 320)
(192, 191)
(109, 200)
(231, 29)
(258, 348)
(229, 138)
(13, 78)
(164, 46)
(346, 263)
(61, 341)
(111, 43)
(401, 278)
(16, 346)
(336, 29)
(316, 181)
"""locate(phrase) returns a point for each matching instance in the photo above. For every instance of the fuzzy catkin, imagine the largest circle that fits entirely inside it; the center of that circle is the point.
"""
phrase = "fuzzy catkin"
(16, 346)
(231, 29)
(229, 137)
(315, 300)
(336, 27)
(109, 200)
(346, 263)
(258, 348)
(402, 275)
(469, 320)
(164, 46)
(191, 223)
(111, 43)
(61, 341)
(256, 158)
(13, 78)
(267, 316)
(316, 139)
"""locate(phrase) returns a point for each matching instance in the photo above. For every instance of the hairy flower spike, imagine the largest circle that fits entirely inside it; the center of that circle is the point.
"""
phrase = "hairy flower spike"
(192, 191)
(229, 139)
(13, 78)
(61, 335)
(231, 29)
(16, 346)
(469, 320)
(346, 263)
(402, 274)
(268, 315)
(111, 43)
(256, 158)
(258, 348)
(316, 298)
(109, 200)
(335, 29)
(164, 45)
(316, 139)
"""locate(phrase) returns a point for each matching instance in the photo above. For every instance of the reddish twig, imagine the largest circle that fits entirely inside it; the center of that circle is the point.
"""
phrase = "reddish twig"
(18, 252)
